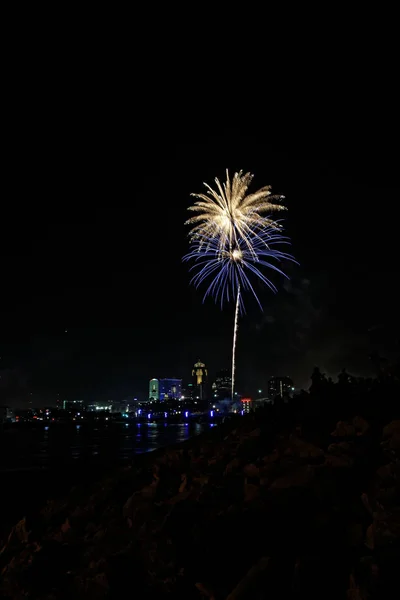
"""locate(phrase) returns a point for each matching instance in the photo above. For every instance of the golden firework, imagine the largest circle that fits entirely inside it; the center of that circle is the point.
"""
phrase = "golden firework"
(229, 215)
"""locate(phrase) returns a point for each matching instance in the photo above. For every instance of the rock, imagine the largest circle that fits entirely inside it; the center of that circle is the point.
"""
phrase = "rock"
(342, 461)
(392, 428)
(361, 425)
(344, 429)
(386, 472)
(394, 442)
(20, 531)
(251, 492)
(232, 465)
(271, 458)
(340, 448)
(65, 526)
(302, 449)
(205, 590)
(255, 432)
(299, 477)
(251, 471)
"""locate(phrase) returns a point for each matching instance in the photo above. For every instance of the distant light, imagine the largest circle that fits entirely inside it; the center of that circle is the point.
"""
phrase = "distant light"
(139, 411)
(186, 414)
(211, 413)
(149, 416)
(79, 414)
(78, 426)
(242, 412)
(46, 428)
(260, 391)
(106, 418)
(292, 389)
(165, 415)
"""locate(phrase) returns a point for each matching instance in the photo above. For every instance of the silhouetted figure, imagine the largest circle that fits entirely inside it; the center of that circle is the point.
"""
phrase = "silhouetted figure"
(318, 381)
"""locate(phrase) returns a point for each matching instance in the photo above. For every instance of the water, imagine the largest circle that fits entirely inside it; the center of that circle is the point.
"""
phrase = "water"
(28, 447)
(38, 462)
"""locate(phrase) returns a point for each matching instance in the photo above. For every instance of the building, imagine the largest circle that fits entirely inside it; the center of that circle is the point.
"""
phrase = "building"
(199, 378)
(170, 389)
(280, 386)
(189, 392)
(121, 406)
(154, 390)
(222, 386)
(73, 405)
(5, 414)
(246, 405)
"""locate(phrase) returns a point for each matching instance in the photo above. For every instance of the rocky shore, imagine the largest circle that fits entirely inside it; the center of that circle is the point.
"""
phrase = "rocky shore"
(256, 508)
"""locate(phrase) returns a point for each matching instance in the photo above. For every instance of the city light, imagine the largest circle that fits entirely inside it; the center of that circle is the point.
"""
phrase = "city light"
(149, 416)
(186, 414)
(211, 413)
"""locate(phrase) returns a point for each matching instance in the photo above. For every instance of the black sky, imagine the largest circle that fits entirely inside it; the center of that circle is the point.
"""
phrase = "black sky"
(92, 240)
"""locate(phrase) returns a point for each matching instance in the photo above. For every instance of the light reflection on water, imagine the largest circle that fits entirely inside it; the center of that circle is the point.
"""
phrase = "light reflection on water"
(50, 446)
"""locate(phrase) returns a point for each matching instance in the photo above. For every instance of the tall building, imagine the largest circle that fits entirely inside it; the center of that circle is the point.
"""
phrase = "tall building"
(222, 386)
(199, 377)
(170, 389)
(280, 386)
(154, 389)
(189, 392)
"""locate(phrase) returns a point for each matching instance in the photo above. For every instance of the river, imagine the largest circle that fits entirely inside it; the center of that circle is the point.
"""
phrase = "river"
(40, 461)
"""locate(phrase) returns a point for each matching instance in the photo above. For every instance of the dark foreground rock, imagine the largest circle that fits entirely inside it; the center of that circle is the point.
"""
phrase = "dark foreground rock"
(247, 511)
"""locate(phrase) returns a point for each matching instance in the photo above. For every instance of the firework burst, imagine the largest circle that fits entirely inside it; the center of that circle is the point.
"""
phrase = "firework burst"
(233, 239)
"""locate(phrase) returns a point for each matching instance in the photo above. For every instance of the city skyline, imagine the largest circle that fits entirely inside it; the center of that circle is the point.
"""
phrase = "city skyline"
(96, 300)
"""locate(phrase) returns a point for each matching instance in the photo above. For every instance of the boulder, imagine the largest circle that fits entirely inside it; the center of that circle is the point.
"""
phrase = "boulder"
(392, 428)
(361, 425)
(251, 470)
(344, 429)
(302, 449)
(299, 477)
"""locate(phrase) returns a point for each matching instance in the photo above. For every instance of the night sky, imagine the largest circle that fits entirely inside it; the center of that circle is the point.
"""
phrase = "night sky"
(92, 241)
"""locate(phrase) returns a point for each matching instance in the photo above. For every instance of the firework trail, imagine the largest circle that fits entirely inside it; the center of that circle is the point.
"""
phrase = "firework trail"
(235, 330)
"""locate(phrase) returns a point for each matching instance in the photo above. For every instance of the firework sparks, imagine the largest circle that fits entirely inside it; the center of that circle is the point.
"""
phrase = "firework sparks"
(229, 215)
(227, 269)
